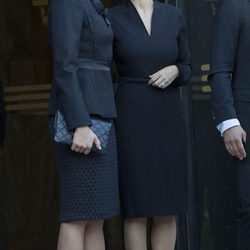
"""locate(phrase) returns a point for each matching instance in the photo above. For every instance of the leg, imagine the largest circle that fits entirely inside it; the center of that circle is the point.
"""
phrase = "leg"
(243, 232)
(94, 238)
(164, 233)
(135, 235)
(71, 236)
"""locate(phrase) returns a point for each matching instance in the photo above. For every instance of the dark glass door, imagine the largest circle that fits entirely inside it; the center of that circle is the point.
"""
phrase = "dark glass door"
(28, 178)
(211, 222)
(214, 177)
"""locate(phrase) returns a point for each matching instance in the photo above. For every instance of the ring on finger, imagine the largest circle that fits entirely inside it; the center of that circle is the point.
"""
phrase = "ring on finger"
(162, 85)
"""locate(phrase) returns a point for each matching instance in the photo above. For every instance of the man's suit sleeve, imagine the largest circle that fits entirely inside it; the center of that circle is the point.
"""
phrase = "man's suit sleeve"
(66, 20)
(223, 57)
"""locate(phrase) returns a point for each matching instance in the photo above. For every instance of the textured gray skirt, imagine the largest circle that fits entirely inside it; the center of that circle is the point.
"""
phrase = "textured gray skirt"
(88, 184)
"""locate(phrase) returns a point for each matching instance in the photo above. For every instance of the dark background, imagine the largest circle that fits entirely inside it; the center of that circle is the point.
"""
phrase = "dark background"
(28, 180)
(214, 182)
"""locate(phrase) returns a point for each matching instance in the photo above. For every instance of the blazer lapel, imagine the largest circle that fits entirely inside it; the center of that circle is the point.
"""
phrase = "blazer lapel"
(100, 8)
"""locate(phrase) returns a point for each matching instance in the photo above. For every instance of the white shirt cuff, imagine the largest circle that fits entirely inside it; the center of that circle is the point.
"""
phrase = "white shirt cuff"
(223, 126)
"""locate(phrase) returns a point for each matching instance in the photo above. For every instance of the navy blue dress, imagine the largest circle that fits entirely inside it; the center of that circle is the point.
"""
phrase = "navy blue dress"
(151, 130)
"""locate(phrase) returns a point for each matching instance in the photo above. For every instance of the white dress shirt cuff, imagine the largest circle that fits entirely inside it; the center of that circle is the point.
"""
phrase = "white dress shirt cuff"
(223, 126)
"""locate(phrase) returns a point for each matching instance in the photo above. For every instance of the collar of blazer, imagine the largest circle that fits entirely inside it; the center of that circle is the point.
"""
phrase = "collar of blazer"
(100, 8)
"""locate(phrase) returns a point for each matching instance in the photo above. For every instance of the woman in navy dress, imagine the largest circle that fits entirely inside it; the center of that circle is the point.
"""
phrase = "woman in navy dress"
(152, 57)
(81, 38)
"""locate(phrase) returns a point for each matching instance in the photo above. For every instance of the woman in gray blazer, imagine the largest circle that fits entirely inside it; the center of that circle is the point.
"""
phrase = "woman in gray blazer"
(81, 38)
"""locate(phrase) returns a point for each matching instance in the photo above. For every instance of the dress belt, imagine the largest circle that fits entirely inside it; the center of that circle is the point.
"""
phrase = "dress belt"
(133, 80)
(93, 64)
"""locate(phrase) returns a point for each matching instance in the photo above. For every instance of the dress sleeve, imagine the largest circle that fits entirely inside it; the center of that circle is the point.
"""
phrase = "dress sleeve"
(223, 57)
(183, 62)
(66, 21)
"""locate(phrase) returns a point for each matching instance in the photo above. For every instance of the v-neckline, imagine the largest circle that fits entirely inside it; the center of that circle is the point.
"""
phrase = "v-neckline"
(141, 21)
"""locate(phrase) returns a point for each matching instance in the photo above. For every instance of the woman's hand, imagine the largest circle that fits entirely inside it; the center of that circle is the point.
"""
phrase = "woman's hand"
(83, 140)
(164, 77)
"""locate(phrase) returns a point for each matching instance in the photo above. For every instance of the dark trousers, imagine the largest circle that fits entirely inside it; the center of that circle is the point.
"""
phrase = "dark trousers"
(243, 178)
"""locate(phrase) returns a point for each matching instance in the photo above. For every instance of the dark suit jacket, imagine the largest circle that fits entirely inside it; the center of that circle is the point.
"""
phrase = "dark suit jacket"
(79, 30)
(230, 61)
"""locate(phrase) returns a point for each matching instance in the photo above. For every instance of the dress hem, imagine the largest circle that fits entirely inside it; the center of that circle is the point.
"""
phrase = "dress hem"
(82, 218)
(177, 213)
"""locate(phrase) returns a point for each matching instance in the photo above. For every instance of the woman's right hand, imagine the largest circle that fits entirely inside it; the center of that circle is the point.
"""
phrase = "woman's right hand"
(83, 140)
(164, 77)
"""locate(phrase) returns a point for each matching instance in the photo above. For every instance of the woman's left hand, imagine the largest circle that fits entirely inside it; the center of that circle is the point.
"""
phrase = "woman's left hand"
(164, 77)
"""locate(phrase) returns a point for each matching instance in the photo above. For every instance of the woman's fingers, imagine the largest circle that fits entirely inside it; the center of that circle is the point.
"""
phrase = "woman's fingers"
(154, 78)
(156, 73)
(169, 74)
(161, 81)
(81, 150)
(74, 147)
(97, 143)
(158, 82)
(168, 83)
(78, 148)
(82, 140)
(87, 151)
(162, 85)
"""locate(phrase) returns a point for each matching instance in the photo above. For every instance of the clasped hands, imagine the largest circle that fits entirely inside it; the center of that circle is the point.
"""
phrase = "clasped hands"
(164, 77)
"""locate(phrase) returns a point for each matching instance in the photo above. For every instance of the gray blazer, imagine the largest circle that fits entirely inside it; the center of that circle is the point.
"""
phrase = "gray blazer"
(81, 39)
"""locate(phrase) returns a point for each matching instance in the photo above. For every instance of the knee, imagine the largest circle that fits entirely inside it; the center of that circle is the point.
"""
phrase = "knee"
(165, 220)
(96, 225)
(137, 222)
(74, 226)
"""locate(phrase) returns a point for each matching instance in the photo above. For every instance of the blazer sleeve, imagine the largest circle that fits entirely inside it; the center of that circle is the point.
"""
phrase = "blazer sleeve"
(183, 62)
(67, 17)
(223, 58)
